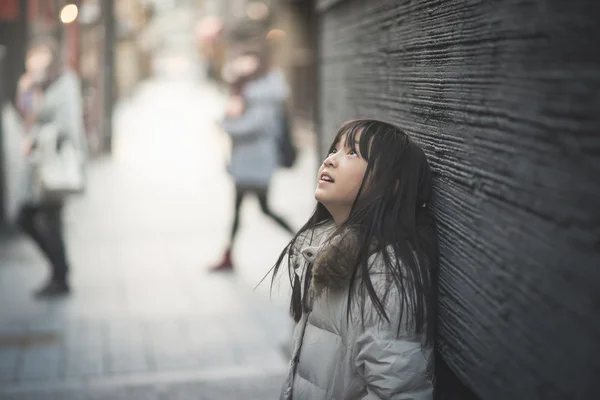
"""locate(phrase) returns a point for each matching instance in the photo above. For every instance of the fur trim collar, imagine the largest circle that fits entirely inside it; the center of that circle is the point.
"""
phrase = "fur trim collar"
(332, 268)
(333, 261)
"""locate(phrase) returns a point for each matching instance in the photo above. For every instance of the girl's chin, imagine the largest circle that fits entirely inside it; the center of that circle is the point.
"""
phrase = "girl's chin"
(320, 196)
(323, 199)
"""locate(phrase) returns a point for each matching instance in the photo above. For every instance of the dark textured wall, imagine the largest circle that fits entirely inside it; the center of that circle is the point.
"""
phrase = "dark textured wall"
(504, 97)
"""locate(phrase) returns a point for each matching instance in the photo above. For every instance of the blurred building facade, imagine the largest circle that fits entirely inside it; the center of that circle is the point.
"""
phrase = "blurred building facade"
(13, 42)
(130, 60)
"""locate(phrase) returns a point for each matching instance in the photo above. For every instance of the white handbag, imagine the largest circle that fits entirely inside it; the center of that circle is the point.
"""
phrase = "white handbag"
(57, 167)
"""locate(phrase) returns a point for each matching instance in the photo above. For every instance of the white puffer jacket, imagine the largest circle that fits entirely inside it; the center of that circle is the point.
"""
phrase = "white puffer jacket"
(333, 358)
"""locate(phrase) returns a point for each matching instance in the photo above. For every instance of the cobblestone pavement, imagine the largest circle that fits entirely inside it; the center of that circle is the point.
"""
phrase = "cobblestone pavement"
(146, 320)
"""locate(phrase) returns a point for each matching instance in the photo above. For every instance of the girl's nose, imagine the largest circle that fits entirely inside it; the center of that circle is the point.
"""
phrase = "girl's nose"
(330, 160)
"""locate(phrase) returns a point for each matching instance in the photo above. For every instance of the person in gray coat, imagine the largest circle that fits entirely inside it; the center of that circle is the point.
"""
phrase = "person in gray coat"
(49, 93)
(364, 273)
(253, 120)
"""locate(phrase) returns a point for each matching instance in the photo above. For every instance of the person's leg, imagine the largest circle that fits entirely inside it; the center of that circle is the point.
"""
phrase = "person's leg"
(240, 192)
(52, 217)
(263, 195)
(44, 225)
(29, 222)
(226, 263)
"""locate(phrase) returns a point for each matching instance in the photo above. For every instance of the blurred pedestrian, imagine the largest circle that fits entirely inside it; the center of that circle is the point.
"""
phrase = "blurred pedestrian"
(209, 39)
(254, 121)
(49, 94)
(363, 270)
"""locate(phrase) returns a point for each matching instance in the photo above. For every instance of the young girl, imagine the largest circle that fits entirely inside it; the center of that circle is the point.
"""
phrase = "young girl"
(363, 270)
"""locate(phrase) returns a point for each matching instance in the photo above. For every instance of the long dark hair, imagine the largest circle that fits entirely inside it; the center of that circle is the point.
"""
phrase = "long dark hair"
(392, 211)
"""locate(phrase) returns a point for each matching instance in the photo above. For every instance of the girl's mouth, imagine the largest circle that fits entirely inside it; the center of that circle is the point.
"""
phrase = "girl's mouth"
(325, 177)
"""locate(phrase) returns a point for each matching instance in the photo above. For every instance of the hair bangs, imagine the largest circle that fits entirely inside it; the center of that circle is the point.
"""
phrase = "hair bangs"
(357, 135)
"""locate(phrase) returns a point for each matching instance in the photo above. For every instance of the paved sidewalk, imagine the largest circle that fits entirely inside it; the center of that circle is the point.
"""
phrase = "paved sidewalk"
(145, 320)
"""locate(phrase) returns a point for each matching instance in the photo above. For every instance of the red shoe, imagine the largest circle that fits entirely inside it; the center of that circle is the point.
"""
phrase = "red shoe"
(226, 264)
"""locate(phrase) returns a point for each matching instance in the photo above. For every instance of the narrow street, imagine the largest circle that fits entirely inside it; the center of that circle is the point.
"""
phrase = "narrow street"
(146, 320)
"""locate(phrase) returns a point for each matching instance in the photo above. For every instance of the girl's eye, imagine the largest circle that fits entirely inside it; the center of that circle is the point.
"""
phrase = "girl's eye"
(353, 153)
(333, 151)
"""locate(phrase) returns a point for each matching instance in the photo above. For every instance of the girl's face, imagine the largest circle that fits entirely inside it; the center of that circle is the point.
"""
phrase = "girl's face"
(339, 179)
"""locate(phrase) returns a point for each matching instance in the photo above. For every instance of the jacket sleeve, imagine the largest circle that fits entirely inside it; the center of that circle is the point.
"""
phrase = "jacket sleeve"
(249, 125)
(392, 362)
(393, 368)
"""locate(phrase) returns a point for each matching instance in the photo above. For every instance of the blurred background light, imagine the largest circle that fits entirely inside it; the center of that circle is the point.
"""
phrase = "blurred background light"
(257, 11)
(69, 13)
(276, 34)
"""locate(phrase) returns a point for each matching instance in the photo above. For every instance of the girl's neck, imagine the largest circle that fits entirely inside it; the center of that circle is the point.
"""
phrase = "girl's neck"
(339, 215)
